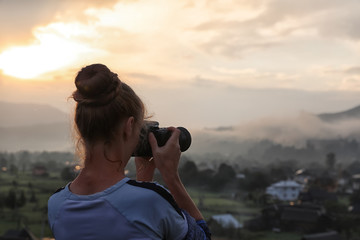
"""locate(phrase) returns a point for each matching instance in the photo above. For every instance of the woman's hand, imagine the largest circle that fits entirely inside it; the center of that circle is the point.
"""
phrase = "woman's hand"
(167, 157)
(145, 168)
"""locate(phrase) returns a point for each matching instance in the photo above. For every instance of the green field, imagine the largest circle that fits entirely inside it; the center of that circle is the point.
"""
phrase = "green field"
(214, 203)
(33, 214)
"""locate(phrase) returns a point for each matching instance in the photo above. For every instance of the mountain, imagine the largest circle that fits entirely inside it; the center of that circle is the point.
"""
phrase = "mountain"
(28, 114)
(38, 127)
(34, 127)
(306, 137)
(49, 137)
(351, 114)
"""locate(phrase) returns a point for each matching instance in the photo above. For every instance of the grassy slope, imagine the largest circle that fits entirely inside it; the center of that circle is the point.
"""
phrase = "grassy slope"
(34, 215)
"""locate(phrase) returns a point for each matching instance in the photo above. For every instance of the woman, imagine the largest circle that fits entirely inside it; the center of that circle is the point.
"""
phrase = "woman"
(102, 203)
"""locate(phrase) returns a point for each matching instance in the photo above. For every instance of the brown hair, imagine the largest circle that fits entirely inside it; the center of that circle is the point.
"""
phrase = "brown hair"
(103, 102)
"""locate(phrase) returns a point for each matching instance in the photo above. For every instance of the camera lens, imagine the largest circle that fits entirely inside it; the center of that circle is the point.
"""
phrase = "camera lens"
(184, 139)
(162, 135)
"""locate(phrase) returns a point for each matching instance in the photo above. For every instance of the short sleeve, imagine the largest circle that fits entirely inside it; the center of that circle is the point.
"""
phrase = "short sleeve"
(197, 230)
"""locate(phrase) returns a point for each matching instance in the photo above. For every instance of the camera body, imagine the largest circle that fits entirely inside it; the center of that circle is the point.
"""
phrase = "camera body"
(162, 135)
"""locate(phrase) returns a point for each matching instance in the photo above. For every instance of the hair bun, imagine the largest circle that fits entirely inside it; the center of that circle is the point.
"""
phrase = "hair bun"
(96, 84)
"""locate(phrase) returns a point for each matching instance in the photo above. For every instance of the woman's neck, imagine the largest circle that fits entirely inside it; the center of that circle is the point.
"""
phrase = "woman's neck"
(101, 171)
(91, 181)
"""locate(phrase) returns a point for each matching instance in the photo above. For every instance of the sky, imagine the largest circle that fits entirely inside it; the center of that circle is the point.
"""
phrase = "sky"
(202, 63)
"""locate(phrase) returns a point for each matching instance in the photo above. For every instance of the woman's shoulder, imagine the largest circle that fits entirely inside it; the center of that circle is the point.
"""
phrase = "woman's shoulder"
(150, 188)
(60, 194)
(145, 193)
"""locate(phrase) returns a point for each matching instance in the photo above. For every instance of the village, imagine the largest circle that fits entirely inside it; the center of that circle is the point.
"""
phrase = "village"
(313, 203)
(276, 201)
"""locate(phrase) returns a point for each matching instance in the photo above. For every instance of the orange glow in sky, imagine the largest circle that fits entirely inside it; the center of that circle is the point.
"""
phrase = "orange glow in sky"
(50, 51)
(213, 52)
(293, 46)
(27, 62)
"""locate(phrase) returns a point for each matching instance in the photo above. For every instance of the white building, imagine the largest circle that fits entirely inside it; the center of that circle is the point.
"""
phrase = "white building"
(356, 182)
(227, 221)
(302, 177)
(285, 190)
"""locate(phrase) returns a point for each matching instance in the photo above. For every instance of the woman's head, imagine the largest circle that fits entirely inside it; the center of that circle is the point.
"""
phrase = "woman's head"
(103, 103)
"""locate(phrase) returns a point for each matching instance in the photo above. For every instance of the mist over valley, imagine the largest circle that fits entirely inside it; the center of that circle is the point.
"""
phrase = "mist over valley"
(306, 137)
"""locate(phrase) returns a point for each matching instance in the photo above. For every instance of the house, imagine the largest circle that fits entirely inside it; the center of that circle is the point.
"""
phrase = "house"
(3, 165)
(240, 176)
(284, 190)
(302, 176)
(355, 182)
(317, 195)
(284, 217)
(354, 209)
(226, 221)
(302, 219)
(39, 170)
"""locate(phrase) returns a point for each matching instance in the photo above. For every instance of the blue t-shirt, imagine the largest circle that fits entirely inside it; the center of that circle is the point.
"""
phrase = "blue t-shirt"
(126, 210)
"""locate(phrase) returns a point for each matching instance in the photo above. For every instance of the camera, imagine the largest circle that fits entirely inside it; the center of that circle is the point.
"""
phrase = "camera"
(143, 148)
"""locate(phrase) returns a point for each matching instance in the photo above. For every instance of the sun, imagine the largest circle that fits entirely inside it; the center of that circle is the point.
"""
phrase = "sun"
(50, 51)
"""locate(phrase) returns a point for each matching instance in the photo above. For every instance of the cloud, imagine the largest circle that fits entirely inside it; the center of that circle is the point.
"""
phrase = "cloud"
(19, 18)
(352, 82)
(141, 79)
(233, 46)
(353, 70)
(342, 21)
(276, 23)
(201, 82)
(296, 130)
(344, 78)
(114, 40)
(322, 14)
(280, 39)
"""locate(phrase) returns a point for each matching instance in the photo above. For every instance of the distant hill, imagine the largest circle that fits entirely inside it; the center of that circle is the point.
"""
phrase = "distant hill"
(50, 137)
(353, 113)
(35, 127)
(27, 114)
(38, 127)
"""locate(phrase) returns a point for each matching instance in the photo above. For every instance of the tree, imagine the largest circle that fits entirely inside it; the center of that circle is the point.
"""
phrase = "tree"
(13, 169)
(330, 160)
(33, 197)
(2, 203)
(67, 174)
(3, 163)
(15, 183)
(52, 165)
(10, 200)
(355, 197)
(22, 199)
(255, 181)
(205, 177)
(188, 173)
(13, 201)
(224, 175)
(277, 173)
(24, 160)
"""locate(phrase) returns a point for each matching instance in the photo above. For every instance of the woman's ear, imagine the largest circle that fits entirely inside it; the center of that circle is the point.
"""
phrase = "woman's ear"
(129, 127)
